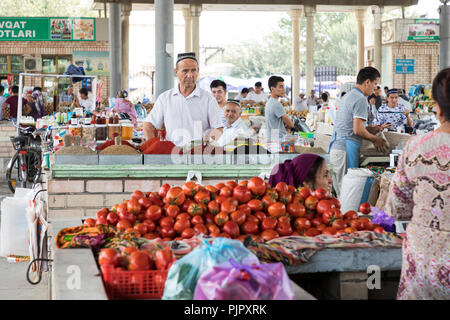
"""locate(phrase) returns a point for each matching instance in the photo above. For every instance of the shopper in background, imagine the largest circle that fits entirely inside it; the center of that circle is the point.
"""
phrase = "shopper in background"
(241, 97)
(219, 92)
(312, 100)
(308, 170)
(277, 121)
(378, 98)
(187, 112)
(123, 105)
(372, 112)
(257, 96)
(12, 103)
(394, 114)
(300, 103)
(67, 96)
(350, 127)
(234, 125)
(420, 192)
(2, 100)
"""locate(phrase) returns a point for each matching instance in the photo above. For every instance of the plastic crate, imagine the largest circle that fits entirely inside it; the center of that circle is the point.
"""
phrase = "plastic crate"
(124, 285)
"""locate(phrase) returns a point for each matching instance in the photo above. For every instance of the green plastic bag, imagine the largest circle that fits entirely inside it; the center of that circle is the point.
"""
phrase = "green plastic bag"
(184, 273)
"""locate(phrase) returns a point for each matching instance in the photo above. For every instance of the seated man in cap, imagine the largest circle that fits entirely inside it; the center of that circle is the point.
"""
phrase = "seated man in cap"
(186, 111)
(257, 96)
(68, 96)
(234, 126)
(392, 113)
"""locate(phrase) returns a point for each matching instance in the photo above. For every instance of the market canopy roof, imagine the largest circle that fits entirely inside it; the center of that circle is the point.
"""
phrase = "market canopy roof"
(263, 5)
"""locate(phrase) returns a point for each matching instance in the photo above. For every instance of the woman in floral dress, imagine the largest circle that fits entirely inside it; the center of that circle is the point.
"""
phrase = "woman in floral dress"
(392, 113)
(420, 192)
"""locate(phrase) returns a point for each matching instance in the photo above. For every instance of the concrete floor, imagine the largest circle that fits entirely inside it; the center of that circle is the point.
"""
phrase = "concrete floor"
(13, 282)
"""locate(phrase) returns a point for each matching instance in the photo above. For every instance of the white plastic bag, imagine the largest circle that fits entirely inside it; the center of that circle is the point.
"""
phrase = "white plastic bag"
(358, 186)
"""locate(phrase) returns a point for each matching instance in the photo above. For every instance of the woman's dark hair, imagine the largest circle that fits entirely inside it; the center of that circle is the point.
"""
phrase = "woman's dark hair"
(324, 97)
(441, 92)
(311, 177)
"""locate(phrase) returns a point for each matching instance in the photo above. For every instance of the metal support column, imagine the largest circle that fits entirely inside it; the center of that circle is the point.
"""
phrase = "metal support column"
(444, 35)
(309, 13)
(164, 46)
(126, 10)
(295, 16)
(115, 49)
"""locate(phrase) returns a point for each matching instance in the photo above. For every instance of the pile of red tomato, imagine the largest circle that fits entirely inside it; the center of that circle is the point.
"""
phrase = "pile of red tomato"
(133, 259)
(233, 210)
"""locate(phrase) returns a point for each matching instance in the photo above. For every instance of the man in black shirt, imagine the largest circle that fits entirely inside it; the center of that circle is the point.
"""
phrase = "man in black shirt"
(378, 99)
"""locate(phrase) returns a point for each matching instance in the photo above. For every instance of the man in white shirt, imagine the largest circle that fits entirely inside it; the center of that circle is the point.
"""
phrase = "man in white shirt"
(300, 103)
(243, 95)
(219, 92)
(312, 100)
(187, 111)
(234, 126)
(84, 101)
(257, 96)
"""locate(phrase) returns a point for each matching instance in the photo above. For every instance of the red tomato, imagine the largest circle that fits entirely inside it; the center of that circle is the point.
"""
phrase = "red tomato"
(140, 261)
(183, 215)
(228, 206)
(321, 193)
(127, 216)
(329, 231)
(150, 236)
(309, 215)
(285, 197)
(151, 226)
(277, 209)
(284, 219)
(129, 250)
(269, 234)
(175, 195)
(378, 230)
(304, 192)
(302, 224)
(255, 205)
(209, 218)
(253, 219)
(267, 200)
(298, 199)
(245, 209)
(188, 233)
(311, 232)
(166, 222)
(336, 202)
(324, 206)
(225, 192)
(321, 227)
(331, 215)
(339, 232)
(281, 187)
(224, 235)
(163, 259)
(91, 222)
(195, 209)
(220, 185)
(232, 228)
(141, 228)
(351, 215)
(231, 184)
(243, 183)
(367, 224)
(163, 190)
(311, 202)
(260, 215)
(239, 217)
(296, 209)
(188, 188)
(153, 213)
(221, 218)
(339, 224)
(123, 224)
(203, 197)
(172, 211)
(114, 208)
(213, 207)
(249, 227)
(291, 190)
(108, 256)
(133, 206)
(213, 190)
(350, 230)
(197, 220)
(284, 228)
(200, 228)
(215, 234)
(181, 224)
(257, 186)
(137, 195)
(145, 202)
(358, 225)
(271, 192)
(167, 232)
(242, 194)
(184, 207)
(212, 228)
(315, 222)
(269, 223)
(365, 208)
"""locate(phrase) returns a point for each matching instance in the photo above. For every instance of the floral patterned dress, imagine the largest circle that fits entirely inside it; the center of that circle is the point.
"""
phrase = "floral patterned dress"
(420, 192)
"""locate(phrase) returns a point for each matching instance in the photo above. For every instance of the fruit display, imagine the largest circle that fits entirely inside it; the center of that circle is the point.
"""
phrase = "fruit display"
(233, 210)
(300, 114)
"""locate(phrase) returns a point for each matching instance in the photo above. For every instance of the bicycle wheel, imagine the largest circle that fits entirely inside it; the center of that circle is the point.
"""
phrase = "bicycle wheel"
(34, 168)
(13, 175)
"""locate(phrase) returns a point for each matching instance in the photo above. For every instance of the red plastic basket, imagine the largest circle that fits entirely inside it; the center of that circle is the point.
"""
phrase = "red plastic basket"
(148, 284)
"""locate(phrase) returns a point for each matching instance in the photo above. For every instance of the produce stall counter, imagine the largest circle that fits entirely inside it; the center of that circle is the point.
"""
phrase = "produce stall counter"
(75, 275)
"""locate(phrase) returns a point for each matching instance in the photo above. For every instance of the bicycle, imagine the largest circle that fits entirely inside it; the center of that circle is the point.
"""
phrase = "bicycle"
(25, 166)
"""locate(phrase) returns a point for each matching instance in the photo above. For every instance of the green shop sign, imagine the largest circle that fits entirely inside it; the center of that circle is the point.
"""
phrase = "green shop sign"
(47, 29)
(424, 30)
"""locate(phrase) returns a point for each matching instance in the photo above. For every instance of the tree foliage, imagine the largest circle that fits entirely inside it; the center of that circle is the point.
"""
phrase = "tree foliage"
(46, 8)
(334, 45)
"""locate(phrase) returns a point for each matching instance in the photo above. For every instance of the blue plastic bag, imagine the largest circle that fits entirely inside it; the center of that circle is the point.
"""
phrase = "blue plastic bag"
(74, 70)
(234, 281)
(184, 273)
